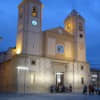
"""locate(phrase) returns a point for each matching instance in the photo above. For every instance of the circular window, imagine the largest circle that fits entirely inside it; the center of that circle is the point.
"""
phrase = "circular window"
(81, 35)
(60, 49)
(33, 62)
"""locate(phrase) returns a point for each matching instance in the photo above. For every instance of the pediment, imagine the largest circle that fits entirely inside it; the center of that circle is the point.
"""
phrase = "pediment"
(58, 30)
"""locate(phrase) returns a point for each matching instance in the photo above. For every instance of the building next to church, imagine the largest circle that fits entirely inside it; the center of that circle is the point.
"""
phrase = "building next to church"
(95, 77)
(45, 58)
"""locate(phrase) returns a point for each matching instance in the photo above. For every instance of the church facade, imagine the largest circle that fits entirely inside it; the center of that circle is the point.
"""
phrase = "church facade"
(46, 58)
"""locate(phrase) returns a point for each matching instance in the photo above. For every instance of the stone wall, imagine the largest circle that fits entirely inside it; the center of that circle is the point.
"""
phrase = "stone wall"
(29, 74)
(38, 77)
(8, 76)
(42, 74)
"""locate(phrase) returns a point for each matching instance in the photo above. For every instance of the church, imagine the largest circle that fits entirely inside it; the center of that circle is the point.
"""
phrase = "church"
(42, 59)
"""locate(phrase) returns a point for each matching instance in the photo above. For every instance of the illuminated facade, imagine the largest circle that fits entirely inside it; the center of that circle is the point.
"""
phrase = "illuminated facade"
(52, 57)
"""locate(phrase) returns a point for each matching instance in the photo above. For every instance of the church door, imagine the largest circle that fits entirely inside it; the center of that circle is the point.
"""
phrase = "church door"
(59, 78)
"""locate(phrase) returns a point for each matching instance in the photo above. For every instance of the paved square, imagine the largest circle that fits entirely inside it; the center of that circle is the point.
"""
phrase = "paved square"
(48, 97)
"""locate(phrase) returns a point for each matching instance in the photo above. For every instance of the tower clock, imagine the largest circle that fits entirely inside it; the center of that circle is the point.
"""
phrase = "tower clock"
(29, 40)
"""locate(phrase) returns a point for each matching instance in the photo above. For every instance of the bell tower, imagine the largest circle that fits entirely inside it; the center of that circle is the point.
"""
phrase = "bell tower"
(29, 39)
(74, 25)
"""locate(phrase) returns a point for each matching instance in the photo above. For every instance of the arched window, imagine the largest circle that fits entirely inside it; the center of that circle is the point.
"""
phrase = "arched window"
(80, 27)
(20, 13)
(68, 26)
(34, 12)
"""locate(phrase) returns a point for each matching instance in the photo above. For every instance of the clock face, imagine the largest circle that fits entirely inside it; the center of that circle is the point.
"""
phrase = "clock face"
(34, 22)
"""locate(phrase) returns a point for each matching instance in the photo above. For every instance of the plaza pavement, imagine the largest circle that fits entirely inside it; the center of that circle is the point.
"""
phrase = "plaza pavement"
(48, 97)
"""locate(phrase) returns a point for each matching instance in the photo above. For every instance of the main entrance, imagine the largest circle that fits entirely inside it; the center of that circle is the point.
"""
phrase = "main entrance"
(59, 78)
(59, 69)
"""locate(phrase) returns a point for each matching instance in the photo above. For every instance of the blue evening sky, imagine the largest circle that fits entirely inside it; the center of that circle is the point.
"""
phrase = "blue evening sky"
(54, 13)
